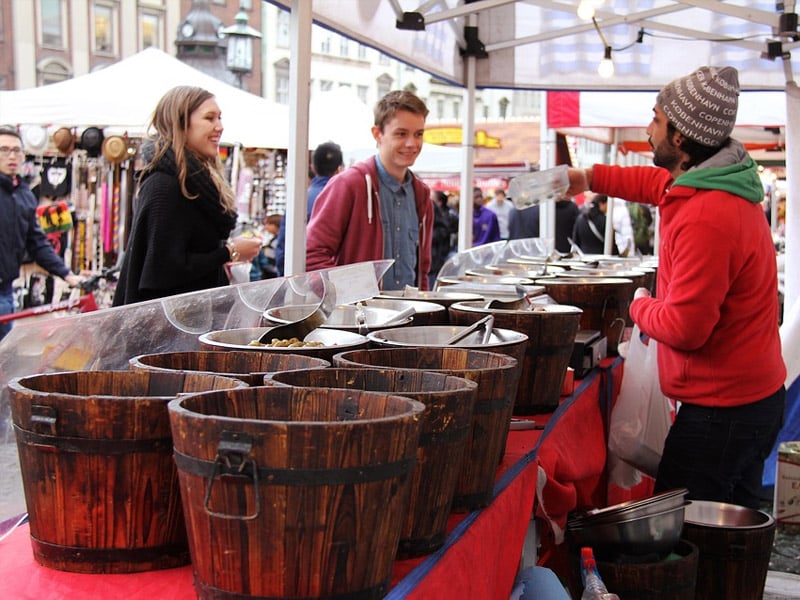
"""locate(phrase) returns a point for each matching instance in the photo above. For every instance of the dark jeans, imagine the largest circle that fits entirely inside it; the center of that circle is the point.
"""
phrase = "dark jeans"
(718, 453)
(6, 308)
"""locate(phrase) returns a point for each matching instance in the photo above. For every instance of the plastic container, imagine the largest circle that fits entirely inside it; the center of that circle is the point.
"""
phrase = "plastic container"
(593, 586)
(539, 186)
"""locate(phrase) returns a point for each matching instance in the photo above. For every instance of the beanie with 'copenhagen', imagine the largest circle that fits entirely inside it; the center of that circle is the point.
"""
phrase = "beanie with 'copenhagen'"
(703, 105)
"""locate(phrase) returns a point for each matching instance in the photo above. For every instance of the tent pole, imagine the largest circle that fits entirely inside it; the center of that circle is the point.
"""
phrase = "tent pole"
(297, 159)
(468, 141)
(792, 275)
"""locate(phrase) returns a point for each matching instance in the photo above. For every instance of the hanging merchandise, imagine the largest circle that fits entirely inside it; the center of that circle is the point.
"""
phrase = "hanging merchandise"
(34, 140)
(115, 149)
(56, 178)
(64, 141)
(92, 141)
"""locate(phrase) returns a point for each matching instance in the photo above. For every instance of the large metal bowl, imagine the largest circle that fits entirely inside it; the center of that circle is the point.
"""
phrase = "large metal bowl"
(333, 341)
(646, 535)
(632, 508)
(425, 313)
(344, 317)
(725, 516)
(438, 335)
(443, 297)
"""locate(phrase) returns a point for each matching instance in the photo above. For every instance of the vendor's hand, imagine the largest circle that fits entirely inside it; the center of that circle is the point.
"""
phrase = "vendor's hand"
(247, 246)
(74, 280)
(641, 293)
(580, 180)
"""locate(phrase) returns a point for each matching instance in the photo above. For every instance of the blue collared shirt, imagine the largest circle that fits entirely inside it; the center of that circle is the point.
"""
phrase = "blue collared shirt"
(400, 224)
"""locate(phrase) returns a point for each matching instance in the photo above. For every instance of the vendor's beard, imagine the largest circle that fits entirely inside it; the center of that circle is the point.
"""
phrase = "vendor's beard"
(666, 155)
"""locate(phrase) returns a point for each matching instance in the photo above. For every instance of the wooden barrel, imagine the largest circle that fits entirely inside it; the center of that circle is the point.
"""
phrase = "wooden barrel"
(735, 545)
(250, 367)
(497, 376)
(673, 578)
(95, 454)
(604, 301)
(551, 330)
(294, 492)
(446, 425)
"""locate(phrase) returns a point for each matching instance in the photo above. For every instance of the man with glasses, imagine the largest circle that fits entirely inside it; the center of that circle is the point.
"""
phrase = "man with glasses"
(19, 227)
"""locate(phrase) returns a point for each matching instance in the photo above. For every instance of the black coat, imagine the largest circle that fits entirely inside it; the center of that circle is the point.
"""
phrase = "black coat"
(583, 235)
(176, 244)
(20, 232)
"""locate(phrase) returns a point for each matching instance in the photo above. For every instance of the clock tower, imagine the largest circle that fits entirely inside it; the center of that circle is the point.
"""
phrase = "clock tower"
(201, 44)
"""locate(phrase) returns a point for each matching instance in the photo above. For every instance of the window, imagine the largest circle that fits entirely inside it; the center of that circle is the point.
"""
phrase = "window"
(282, 33)
(383, 59)
(362, 52)
(52, 23)
(282, 81)
(151, 31)
(344, 47)
(52, 70)
(362, 92)
(325, 47)
(104, 25)
(440, 108)
(325, 85)
(456, 110)
(384, 85)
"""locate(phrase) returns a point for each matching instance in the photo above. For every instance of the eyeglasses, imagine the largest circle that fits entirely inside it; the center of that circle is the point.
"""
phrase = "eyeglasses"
(6, 151)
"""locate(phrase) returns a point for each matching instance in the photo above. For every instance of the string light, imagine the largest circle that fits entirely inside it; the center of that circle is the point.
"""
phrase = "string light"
(586, 10)
(606, 67)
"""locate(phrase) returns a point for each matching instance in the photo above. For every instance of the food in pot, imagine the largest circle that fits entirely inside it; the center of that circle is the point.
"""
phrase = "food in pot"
(287, 343)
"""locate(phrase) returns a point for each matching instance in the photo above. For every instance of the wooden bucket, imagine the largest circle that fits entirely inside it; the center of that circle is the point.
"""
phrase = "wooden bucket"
(449, 402)
(551, 333)
(250, 367)
(95, 453)
(669, 579)
(294, 492)
(604, 302)
(734, 559)
(497, 376)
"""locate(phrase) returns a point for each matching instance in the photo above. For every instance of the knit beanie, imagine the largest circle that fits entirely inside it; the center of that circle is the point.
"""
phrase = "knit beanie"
(702, 106)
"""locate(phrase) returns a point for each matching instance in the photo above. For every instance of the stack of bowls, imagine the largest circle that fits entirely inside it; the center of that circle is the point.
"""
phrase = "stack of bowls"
(639, 528)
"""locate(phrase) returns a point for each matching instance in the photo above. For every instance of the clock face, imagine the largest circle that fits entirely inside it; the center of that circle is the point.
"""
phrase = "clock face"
(187, 30)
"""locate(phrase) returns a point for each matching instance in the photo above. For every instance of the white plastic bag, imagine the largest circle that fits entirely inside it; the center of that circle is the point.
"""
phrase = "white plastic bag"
(641, 416)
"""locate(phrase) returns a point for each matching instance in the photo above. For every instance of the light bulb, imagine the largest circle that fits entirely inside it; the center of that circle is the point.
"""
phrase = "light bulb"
(606, 67)
(586, 10)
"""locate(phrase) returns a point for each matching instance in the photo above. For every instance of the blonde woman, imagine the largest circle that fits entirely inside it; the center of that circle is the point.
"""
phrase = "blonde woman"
(184, 208)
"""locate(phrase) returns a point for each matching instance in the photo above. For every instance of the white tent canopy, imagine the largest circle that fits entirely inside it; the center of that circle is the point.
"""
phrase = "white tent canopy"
(123, 95)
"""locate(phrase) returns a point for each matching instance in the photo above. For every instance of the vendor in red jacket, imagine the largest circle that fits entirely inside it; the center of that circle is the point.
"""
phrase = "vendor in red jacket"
(716, 315)
(378, 209)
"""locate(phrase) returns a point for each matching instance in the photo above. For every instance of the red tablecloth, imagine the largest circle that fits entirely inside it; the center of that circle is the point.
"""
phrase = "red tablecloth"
(483, 548)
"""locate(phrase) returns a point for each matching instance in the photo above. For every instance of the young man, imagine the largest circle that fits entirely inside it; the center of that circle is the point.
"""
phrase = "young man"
(19, 227)
(716, 314)
(503, 208)
(378, 208)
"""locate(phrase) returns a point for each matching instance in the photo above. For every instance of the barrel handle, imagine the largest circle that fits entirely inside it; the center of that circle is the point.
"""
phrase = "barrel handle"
(43, 416)
(233, 459)
(622, 323)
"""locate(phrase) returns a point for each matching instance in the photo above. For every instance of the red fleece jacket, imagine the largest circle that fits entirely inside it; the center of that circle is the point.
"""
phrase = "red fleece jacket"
(345, 225)
(716, 311)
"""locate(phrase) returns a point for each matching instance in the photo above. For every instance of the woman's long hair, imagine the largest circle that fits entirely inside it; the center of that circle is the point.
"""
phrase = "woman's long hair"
(170, 123)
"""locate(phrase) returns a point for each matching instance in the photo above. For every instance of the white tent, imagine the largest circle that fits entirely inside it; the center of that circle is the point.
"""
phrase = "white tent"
(123, 95)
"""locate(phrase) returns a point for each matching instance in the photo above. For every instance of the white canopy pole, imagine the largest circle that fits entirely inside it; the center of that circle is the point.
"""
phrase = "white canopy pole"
(791, 272)
(297, 159)
(468, 140)
(608, 240)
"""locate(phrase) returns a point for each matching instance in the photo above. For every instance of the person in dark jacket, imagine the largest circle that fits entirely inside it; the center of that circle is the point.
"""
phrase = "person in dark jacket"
(19, 227)
(184, 209)
(590, 226)
(445, 225)
(327, 161)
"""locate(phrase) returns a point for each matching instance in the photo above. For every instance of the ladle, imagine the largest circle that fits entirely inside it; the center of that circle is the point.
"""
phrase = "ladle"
(486, 323)
(302, 327)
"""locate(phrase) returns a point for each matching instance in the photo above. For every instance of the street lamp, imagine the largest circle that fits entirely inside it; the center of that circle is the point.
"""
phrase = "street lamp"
(240, 46)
